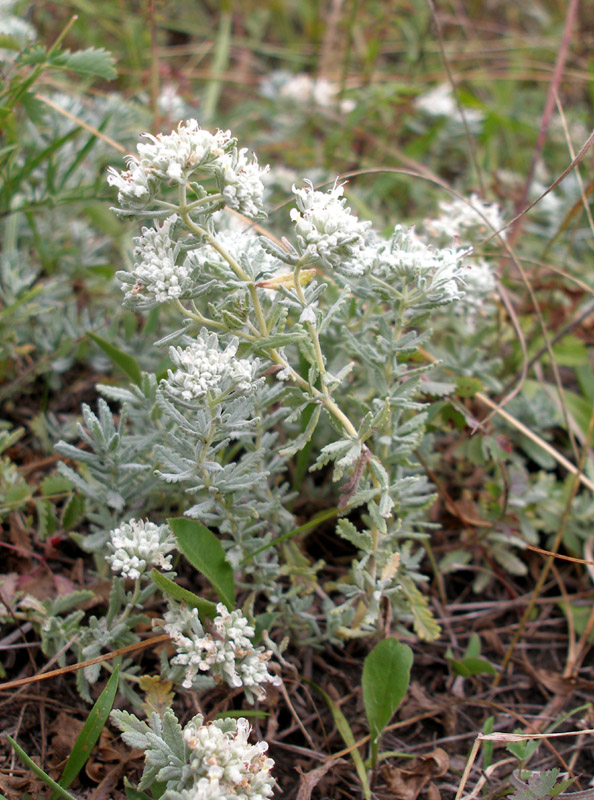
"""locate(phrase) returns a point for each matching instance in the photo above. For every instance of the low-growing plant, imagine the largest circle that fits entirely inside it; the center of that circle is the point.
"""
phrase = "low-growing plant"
(285, 356)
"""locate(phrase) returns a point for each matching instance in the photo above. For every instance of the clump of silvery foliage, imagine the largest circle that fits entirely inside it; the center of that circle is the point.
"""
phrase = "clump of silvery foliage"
(305, 342)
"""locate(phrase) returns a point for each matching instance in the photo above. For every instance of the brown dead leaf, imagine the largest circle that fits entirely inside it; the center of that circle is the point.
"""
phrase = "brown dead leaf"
(309, 780)
(45, 586)
(158, 694)
(407, 784)
(14, 787)
(64, 731)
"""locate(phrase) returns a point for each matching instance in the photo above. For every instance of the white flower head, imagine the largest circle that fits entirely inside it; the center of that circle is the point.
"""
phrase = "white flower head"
(224, 764)
(240, 178)
(203, 368)
(467, 220)
(226, 652)
(135, 185)
(175, 156)
(138, 545)
(156, 271)
(326, 229)
(438, 273)
(189, 152)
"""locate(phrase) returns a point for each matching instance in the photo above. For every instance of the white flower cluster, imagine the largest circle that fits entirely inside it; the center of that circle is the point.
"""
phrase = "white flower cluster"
(227, 652)
(138, 545)
(436, 272)
(156, 272)
(225, 765)
(204, 368)
(326, 229)
(469, 220)
(180, 155)
(240, 177)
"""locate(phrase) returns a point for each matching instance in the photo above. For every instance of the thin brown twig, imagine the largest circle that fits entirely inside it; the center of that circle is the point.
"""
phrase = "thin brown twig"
(4, 687)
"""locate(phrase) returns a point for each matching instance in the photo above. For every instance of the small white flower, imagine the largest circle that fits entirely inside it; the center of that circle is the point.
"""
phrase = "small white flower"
(440, 102)
(203, 368)
(135, 186)
(138, 545)
(224, 764)
(156, 272)
(326, 229)
(227, 652)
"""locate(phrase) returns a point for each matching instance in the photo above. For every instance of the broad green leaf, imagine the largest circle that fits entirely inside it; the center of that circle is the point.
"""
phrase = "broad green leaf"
(385, 681)
(202, 549)
(91, 731)
(167, 586)
(125, 362)
(28, 762)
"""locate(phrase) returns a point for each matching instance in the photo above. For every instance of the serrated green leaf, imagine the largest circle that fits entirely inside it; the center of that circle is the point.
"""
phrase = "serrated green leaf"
(467, 386)
(93, 61)
(73, 512)
(204, 551)
(125, 362)
(8, 42)
(424, 622)
(55, 484)
(300, 441)
(169, 587)
(385, 681)
(91, 731)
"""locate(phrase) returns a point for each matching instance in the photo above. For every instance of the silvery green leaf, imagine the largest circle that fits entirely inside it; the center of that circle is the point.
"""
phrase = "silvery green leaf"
(299, 442)
(331, 452)
(362, 540)
(334, 309)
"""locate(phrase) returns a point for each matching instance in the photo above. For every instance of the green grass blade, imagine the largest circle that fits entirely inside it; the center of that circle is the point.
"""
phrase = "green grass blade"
(348, 737)
(28, 762)
(125, 362)
(90, 732)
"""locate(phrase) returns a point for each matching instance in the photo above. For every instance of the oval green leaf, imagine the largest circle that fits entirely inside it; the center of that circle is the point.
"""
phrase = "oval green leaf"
(205, 552)
(386, 677)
